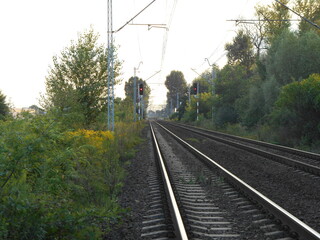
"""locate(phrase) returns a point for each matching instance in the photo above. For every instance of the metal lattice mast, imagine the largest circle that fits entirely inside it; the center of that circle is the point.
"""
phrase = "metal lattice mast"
(110, 70)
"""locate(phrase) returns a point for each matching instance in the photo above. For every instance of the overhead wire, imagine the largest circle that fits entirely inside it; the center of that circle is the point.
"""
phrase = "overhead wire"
(218, 48)
(138, 37)
(168, 20)
(165, 37)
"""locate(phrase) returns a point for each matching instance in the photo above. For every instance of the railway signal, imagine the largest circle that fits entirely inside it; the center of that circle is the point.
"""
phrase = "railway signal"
(195, 88)
(141, 89)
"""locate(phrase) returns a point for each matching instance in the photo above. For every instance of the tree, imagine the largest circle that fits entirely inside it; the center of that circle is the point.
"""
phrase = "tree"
(293, 57)
(4, 107)
(177, 86)
(231, 85)
(128, 88)
(77, 81)
(240, 51)
(273, 12)
(256, 32)
(297, 110)
(309, 9)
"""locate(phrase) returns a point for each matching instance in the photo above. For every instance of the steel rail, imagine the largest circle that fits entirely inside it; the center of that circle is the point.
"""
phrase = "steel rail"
(285, 160)
(297, 152)
(179, 228)
(287, 219)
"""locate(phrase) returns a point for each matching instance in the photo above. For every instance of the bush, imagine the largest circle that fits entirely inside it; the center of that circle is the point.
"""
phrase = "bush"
(58, 184)
(297, 111)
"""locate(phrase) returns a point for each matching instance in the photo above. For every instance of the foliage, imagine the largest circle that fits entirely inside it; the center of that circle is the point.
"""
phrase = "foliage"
(205, 101)
(4, 107)
(123, 109)
(293, 57)
(262, 91)
(206, 80)
(297, 110)
(58, 184)
(274, 11)
(240, 51)
(231, 83)
(309, 9)
(129, 92)
(177, 86)
(76, 85)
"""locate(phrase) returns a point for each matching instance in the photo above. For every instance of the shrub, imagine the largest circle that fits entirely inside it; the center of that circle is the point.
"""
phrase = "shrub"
(56, 184)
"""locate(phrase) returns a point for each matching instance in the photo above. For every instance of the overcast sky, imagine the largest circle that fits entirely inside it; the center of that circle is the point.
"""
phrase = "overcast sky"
(33, 31)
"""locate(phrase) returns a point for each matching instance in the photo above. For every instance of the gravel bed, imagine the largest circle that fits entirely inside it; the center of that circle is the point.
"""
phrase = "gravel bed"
(296, 192)
(134, 192)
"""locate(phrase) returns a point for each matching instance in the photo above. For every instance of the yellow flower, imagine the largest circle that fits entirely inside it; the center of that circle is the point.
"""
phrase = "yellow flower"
(98, 139)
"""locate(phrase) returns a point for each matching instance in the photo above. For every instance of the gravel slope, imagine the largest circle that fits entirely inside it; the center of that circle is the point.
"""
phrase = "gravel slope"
(134, 193)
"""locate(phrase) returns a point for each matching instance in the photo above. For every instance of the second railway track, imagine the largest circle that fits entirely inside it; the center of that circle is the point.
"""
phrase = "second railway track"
(302, 160)
(213, 206)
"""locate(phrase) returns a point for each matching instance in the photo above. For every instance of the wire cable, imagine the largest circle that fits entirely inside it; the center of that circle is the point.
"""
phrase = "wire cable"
(135, 16)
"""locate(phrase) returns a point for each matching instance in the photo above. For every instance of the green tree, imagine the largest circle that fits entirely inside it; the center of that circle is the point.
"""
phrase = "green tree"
(231, 85)
(257, 33)
(4, 106)
(77, 82)
(272, 12)
(310, 9)
(297, 111)
(293, 57)
(128, 88)
(240, 51)
(206, 80)
(176, 85)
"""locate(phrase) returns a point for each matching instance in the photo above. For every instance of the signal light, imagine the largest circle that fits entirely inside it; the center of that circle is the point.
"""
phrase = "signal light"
(141, 89)
(195, 88)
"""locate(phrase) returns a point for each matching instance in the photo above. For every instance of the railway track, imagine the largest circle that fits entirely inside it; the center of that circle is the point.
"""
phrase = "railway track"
(302, 160)
(203, 200)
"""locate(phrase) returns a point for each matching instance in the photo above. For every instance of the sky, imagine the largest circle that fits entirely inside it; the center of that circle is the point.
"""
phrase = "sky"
(34, 31)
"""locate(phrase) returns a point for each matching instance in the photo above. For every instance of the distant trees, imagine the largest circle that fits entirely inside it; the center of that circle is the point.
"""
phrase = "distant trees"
(129, 86)
(177, 87)
(76, 85)
(271, 82)
(4, 107)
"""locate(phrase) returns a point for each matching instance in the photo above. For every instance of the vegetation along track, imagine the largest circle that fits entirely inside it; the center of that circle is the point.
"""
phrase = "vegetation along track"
(305, 161)
(215, 204)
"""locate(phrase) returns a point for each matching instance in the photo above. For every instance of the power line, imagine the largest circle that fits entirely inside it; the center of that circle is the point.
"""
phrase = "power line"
(110, 61)
(307, 20)
(249, 21)
(134, 16)
(165, 37)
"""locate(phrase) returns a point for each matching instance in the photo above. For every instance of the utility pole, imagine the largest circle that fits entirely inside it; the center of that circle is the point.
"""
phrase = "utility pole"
(110, 69)
(213, 76)
(139, 108)
(110, 60)
(135, 95)
(142, 107)
(177, 101)
(135, 91)
(197, 101)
